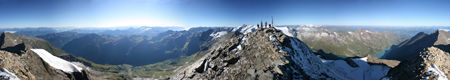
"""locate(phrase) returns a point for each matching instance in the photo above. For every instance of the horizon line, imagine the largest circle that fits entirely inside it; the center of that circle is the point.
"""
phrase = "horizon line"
(380, 25)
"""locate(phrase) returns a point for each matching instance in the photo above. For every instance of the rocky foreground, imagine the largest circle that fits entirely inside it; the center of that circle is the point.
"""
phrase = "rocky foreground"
(256, 53)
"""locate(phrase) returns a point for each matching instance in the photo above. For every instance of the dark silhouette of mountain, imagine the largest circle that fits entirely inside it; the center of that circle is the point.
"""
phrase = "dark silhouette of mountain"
(411, 47)
(424, 56)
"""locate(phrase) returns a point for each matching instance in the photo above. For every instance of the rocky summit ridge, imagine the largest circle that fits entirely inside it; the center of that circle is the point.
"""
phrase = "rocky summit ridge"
(250, 52)
(424, 56)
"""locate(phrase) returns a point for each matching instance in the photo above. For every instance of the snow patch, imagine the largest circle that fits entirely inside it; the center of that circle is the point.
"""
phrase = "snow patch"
(11, 31)
(218, 34)
(239, 47)
(285, 30)
(6, 75)
(273, 38)
(146, 29)
(435, 70)
(245, 29)
(187, 28)
(323, 34)
(57, 62)
(350, 32)
(363, 59)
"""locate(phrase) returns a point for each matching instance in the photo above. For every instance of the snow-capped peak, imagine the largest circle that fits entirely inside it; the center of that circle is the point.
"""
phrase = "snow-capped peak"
(244, 29)
(285, 30)
(57, 62)
(218, 34)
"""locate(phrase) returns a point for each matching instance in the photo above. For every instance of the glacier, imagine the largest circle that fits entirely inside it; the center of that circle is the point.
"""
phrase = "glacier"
(218, 34)
(285, 30)
(57, 62)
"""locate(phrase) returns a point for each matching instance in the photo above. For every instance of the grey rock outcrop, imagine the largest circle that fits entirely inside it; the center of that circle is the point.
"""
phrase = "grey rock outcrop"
(432, 63)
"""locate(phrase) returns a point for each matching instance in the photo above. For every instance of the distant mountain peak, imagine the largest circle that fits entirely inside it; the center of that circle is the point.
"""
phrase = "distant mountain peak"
(443, 38)
(11, 40)
(419, 42)
(431, 63)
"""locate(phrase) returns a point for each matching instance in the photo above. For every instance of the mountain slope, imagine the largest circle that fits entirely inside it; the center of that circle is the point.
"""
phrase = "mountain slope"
(28, 64)
(61, 38)
(432, 63)
(424, 56)
(141, 50)
(270, 54)
(417, 44)
(9, 40)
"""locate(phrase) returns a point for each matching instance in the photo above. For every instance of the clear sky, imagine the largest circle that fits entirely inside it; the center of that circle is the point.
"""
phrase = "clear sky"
(108, 13)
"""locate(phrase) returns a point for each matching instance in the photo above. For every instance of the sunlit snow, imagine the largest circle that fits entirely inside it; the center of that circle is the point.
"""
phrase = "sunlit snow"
(218, 34)
(435, 70)
(57, 62)
(245, 29)
(6, 73)
(285, 30)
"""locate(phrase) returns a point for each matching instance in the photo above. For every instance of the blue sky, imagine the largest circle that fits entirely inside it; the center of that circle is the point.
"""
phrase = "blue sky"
(110, 13)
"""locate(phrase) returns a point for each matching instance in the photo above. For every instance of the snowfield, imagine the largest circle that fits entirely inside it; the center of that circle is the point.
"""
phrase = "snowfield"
(285, 30)
(218, 34)
(57, 62)
(435, 70)
(245, 29)
(6, 74)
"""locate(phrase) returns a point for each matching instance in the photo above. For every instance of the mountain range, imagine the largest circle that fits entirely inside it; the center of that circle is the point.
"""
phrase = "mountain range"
(133, 49)
(244, 52)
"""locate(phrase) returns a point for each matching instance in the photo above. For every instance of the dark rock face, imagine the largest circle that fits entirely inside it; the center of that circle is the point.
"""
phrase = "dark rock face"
(12, 40)
(421, 56)
(411, 47)
(390, 63)
(423, 66)
(20, 48)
